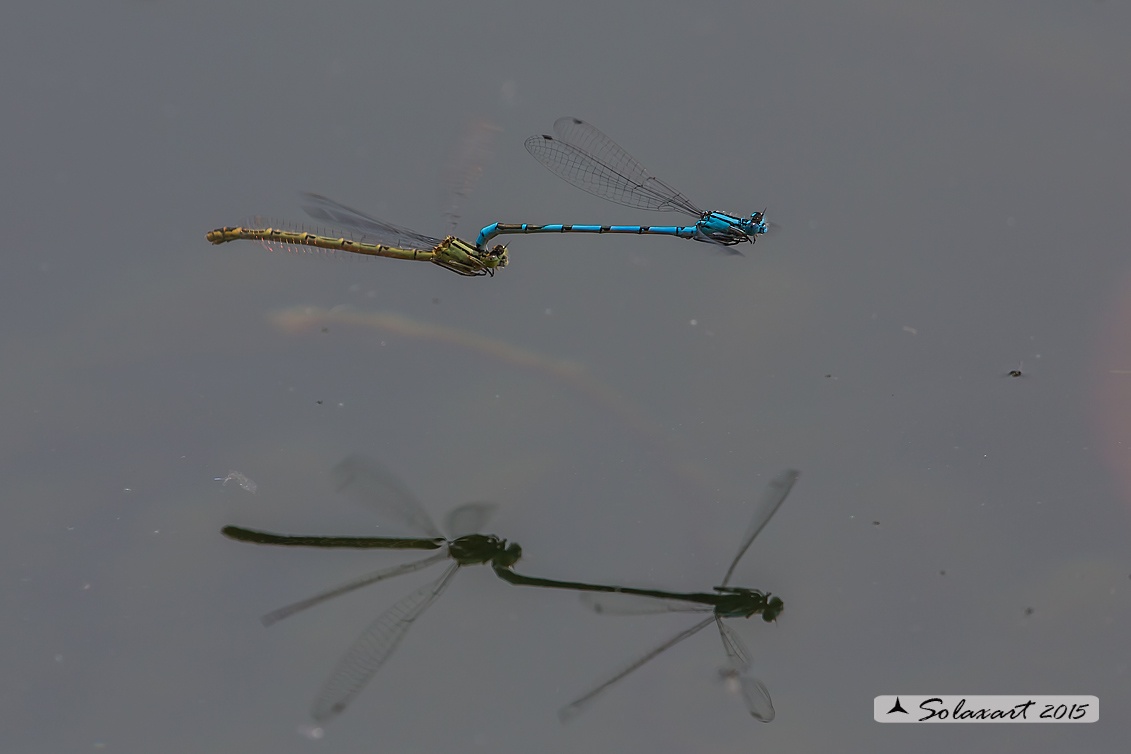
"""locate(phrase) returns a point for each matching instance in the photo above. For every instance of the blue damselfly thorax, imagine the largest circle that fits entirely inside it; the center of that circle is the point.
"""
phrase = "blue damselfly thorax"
(727, 229)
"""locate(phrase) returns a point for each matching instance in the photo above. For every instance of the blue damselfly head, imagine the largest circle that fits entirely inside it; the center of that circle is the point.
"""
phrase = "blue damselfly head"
(755, 226)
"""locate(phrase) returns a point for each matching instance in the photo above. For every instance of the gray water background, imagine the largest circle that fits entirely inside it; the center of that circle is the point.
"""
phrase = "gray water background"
(952, 182)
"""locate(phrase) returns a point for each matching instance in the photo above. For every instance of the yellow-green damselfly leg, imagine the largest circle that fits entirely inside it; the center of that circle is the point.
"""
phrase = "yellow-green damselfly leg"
(357, 233)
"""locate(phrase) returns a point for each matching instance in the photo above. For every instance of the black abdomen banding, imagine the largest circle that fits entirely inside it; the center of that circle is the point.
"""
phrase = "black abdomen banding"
(223, 235)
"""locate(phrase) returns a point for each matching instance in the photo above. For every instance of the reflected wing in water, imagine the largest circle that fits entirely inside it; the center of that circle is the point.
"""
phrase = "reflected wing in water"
(371, 578)
(738, 656)
(469, 518)
(371, 484)
(373, 648)
(754, 693)
(757, 698)
(576, 707)
(775, 494)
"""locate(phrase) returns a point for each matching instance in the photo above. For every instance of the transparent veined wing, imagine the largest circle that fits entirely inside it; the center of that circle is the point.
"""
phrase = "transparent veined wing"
(463, 170)
(586, 158)
(359, 226)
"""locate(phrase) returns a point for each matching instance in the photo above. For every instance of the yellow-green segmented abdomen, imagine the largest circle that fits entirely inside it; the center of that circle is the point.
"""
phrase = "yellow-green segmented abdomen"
(272, 235)
(451, 253)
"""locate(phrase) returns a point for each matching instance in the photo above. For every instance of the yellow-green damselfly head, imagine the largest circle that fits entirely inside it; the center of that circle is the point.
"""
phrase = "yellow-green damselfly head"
(496, 258)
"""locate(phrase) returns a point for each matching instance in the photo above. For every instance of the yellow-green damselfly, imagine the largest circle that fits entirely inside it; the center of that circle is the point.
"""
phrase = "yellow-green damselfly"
(352, 231)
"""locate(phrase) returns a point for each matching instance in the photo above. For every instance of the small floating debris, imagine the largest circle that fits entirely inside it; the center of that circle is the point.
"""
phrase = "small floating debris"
(240, 479)
(1015, 373)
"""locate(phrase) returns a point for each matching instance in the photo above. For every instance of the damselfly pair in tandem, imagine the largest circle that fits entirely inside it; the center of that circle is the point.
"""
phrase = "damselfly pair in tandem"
(375, 487)
(580, 154)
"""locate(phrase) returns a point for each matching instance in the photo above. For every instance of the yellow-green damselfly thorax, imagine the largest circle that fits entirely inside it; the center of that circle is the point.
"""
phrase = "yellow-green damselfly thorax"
(352, 231)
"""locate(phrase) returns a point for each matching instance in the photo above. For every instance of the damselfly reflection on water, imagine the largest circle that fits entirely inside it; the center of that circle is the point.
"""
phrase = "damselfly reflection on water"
(724, 602)
(378, 488)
